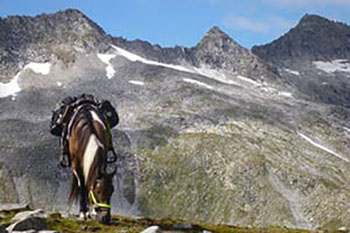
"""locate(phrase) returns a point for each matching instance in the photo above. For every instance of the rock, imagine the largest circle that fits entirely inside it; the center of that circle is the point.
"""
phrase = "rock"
(13, 207)
(182, 226)
(31, 223)
(48, 231)
(2, 229)
(34, 231)
(28, 221)
(26, 214)
(92, 229)
(152, 229)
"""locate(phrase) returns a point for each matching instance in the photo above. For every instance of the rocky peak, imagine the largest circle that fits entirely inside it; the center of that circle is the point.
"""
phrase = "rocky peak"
(217, 50)
(68, 26)
(216, 33)
(216, 38)
(25, 38)
(312, 19)
(313, 38)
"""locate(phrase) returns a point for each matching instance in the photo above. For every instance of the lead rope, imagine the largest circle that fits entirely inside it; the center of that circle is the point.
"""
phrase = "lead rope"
(102, 205)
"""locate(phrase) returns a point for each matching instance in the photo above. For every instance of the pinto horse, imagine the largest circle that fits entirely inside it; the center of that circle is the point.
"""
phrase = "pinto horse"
(91, 183)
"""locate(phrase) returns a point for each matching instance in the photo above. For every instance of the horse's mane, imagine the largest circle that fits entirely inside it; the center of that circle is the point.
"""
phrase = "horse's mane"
(84, 123)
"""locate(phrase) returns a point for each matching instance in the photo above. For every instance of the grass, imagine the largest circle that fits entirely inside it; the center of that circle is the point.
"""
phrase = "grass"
(134, 225)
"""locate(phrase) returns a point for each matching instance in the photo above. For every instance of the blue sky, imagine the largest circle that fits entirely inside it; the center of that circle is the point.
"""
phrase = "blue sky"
(184, 22)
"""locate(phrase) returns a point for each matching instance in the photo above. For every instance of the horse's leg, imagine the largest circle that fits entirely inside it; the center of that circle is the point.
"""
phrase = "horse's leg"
(84, 212)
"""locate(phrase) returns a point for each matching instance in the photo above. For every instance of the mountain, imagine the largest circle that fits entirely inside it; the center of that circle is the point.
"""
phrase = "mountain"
(219, 51)
(314, 57)
(25, 39)
(202, 136)
(216, 51)
(313, 38)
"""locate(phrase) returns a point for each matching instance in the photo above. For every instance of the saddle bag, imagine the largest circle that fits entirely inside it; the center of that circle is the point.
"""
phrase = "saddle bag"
(109, 112)
(55, 128)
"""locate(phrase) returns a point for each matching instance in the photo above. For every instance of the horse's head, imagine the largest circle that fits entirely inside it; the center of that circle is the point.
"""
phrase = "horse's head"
(100, 195)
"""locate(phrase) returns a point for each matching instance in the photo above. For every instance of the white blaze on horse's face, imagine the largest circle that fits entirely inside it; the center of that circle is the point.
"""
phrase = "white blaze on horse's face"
(95, 117)
(90, 153)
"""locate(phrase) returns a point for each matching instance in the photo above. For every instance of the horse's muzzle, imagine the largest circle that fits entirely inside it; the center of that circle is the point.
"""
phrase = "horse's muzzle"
(104, 216)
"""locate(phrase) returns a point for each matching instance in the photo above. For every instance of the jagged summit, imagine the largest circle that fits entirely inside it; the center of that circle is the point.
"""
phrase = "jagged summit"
(314, 37)
(312, 18)
(219, 51)
(25, 38)
(215, 31)
(216, 35)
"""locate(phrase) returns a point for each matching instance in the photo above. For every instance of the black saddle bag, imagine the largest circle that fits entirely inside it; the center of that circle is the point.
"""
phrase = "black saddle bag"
(109, 112)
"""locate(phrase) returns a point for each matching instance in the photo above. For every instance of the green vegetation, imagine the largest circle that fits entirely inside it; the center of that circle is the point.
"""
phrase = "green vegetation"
(134, 225)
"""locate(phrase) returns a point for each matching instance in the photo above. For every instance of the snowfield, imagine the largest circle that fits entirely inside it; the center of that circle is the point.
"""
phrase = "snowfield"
(188, 80)
(135, 82)
(105, 58)
(338, 65)
(294, 72)
(12, 88)
(39, 68)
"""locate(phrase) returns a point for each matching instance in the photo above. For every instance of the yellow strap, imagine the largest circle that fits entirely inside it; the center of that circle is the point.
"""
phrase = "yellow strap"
(102, 205)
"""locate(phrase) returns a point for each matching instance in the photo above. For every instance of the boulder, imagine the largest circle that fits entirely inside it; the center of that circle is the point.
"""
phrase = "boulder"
(27, 214)
(2, 229)
(152, 229)
(34, 231)
(28, 221)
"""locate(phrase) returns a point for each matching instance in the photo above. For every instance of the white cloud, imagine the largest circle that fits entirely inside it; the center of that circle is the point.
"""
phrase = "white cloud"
(309, 3)
(270, 24)
(242, 23)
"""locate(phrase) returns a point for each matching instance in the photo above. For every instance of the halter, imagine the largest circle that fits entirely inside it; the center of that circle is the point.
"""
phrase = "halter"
(102, 205)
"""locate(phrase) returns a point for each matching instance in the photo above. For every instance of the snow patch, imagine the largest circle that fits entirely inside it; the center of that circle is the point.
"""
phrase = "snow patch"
(285, 94)
(59, 84)
(346, 129)
(205, 71)
(240, 80)
(321, 147)
(214, 74)
(105, 58)
(140, 83)
(133, 57)
(39, 68)
(294, 72)
(11, 88)
(248, 80)
(340, 65)
(188, 80)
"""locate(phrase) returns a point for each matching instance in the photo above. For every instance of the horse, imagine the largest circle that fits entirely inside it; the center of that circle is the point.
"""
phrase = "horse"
(91, 183)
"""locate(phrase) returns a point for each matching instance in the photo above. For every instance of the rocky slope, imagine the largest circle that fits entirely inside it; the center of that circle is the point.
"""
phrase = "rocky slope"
(200, 137)
(24, 39)
(314, 58)
(314, 38)
(216, 51)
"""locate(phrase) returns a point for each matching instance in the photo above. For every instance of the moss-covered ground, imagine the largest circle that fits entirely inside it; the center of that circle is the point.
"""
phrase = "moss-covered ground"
(133, 225)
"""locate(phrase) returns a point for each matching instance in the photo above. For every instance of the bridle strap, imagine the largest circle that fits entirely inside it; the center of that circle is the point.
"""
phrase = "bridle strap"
(102, 205)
